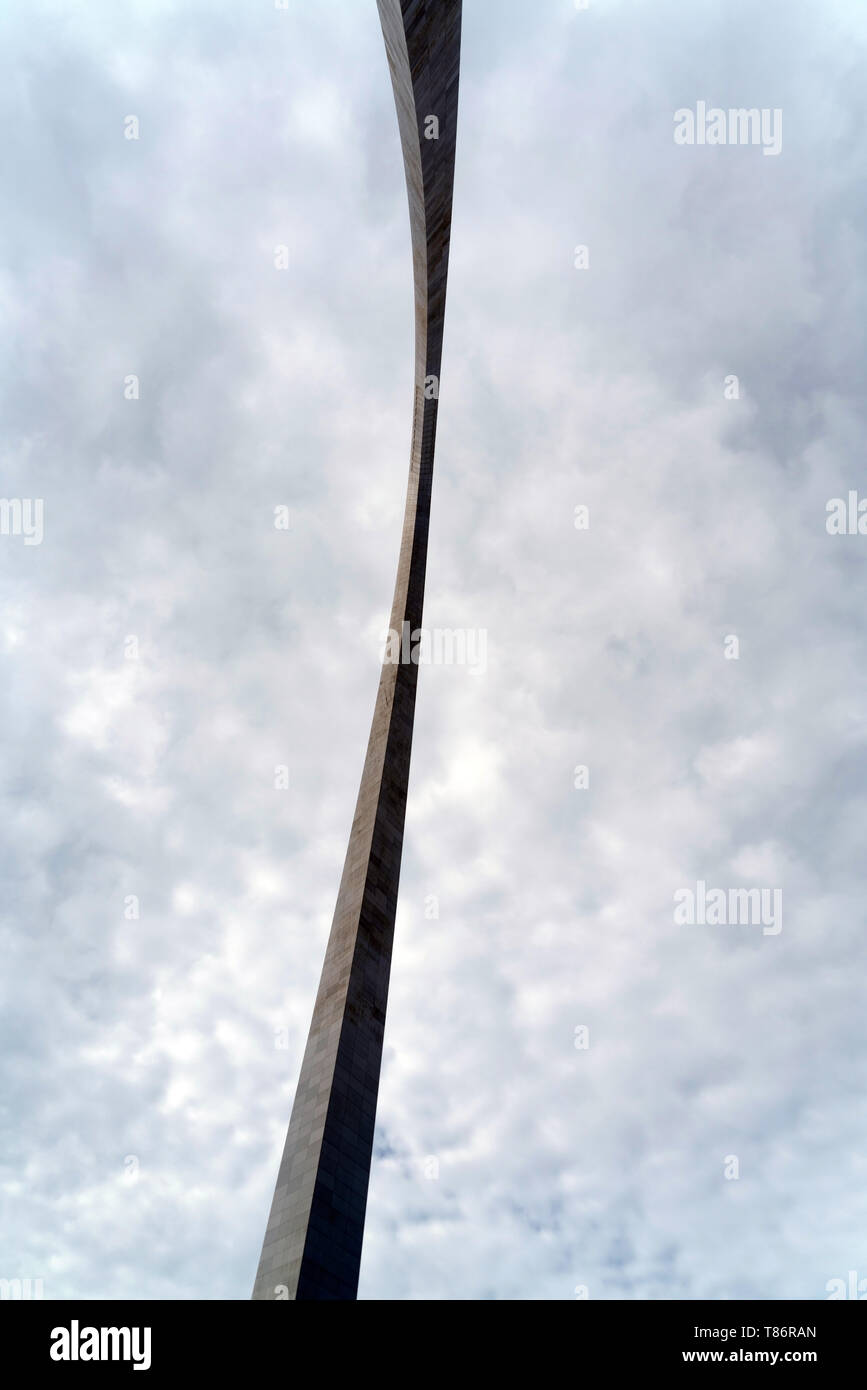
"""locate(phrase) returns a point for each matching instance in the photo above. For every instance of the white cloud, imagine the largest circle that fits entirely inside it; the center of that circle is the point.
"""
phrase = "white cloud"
(155, 1037)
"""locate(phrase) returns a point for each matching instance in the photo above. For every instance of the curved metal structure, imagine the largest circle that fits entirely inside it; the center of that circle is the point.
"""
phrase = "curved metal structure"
(312, 1247)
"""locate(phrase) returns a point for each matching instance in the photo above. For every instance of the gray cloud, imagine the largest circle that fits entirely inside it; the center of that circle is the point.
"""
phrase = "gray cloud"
(175, 1038)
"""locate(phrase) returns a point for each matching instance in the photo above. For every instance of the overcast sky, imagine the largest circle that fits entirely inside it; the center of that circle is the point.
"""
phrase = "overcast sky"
(148, 1063)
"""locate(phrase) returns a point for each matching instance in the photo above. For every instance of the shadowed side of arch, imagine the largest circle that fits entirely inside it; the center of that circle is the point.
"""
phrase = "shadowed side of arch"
(312, 1246)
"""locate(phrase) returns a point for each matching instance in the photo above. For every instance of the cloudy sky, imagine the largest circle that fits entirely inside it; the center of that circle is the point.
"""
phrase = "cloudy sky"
(165, 908)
